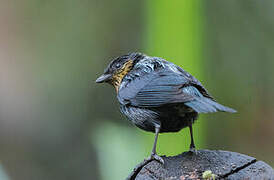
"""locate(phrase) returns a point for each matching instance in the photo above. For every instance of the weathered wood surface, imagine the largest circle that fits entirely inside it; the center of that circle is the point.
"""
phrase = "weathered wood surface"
(223, 164)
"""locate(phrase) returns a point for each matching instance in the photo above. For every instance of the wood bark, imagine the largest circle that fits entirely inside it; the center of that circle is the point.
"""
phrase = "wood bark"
(188, 165)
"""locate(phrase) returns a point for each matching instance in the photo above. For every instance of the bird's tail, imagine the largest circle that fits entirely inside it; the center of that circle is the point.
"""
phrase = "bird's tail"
(206, 105)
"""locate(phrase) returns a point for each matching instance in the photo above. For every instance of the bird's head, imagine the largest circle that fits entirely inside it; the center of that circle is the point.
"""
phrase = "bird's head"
(118, 68)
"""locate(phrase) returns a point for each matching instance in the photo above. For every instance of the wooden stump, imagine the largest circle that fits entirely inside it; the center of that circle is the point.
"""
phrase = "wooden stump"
(205, 164)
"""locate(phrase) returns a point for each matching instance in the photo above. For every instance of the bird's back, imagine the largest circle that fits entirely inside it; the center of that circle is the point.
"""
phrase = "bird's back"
(172, 95)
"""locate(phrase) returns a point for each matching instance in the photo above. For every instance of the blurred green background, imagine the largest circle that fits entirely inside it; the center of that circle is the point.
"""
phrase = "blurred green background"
(56, 123)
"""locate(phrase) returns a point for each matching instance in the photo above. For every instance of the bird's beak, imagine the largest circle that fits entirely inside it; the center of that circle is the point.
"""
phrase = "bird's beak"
(103, 78)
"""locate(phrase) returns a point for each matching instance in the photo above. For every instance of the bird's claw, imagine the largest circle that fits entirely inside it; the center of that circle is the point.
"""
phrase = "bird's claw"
(193, 150)
(155, 157)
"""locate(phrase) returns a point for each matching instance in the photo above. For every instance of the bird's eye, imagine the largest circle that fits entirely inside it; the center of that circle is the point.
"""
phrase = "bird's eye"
(118, 65)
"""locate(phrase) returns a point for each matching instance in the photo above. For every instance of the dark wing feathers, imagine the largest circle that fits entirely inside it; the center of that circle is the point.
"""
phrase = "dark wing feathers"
(205, 105)
(157, 89)
(202, 104)
(159, 93)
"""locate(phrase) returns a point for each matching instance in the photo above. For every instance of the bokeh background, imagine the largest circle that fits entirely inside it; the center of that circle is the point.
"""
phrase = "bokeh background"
(56, 123)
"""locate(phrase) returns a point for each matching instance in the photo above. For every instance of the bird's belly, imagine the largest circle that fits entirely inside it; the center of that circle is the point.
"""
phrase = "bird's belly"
(145, 119)
(169, 118)
(174, 117)
(174, 123)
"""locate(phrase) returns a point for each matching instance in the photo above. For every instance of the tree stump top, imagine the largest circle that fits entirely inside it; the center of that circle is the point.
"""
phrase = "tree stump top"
(206, 164)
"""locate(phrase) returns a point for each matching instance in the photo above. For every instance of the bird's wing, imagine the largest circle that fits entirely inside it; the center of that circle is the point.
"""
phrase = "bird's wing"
(159, 88)
(165, 87)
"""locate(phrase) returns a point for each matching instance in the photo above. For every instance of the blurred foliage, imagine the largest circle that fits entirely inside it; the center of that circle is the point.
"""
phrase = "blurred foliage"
(119, 149)
(174, 31)
(240, 73)
(3, 175)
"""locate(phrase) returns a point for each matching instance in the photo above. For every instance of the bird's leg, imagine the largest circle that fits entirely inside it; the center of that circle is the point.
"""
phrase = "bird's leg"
(157, 129)
(153, 152)
(192, 145)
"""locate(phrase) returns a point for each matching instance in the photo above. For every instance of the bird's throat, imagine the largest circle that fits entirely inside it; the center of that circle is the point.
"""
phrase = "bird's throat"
(120, 74)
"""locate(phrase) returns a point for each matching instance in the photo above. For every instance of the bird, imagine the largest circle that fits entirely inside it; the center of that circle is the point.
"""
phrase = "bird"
(158, 96)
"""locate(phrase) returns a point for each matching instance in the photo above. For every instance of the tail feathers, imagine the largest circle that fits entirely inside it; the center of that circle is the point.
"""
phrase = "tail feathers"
(206, 105)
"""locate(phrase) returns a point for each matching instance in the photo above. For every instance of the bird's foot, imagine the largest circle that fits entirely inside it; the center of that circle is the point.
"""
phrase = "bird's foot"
(155, 157)
(193, 150)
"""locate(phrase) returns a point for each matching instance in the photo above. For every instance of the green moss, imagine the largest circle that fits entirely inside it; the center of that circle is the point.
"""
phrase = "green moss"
(208, 175)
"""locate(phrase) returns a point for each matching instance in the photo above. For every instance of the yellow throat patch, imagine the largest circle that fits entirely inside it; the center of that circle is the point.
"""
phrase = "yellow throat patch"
(120, 74)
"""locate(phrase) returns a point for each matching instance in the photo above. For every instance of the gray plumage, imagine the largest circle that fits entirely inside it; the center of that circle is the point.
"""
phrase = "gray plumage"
(157, 95)
(168, 92)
